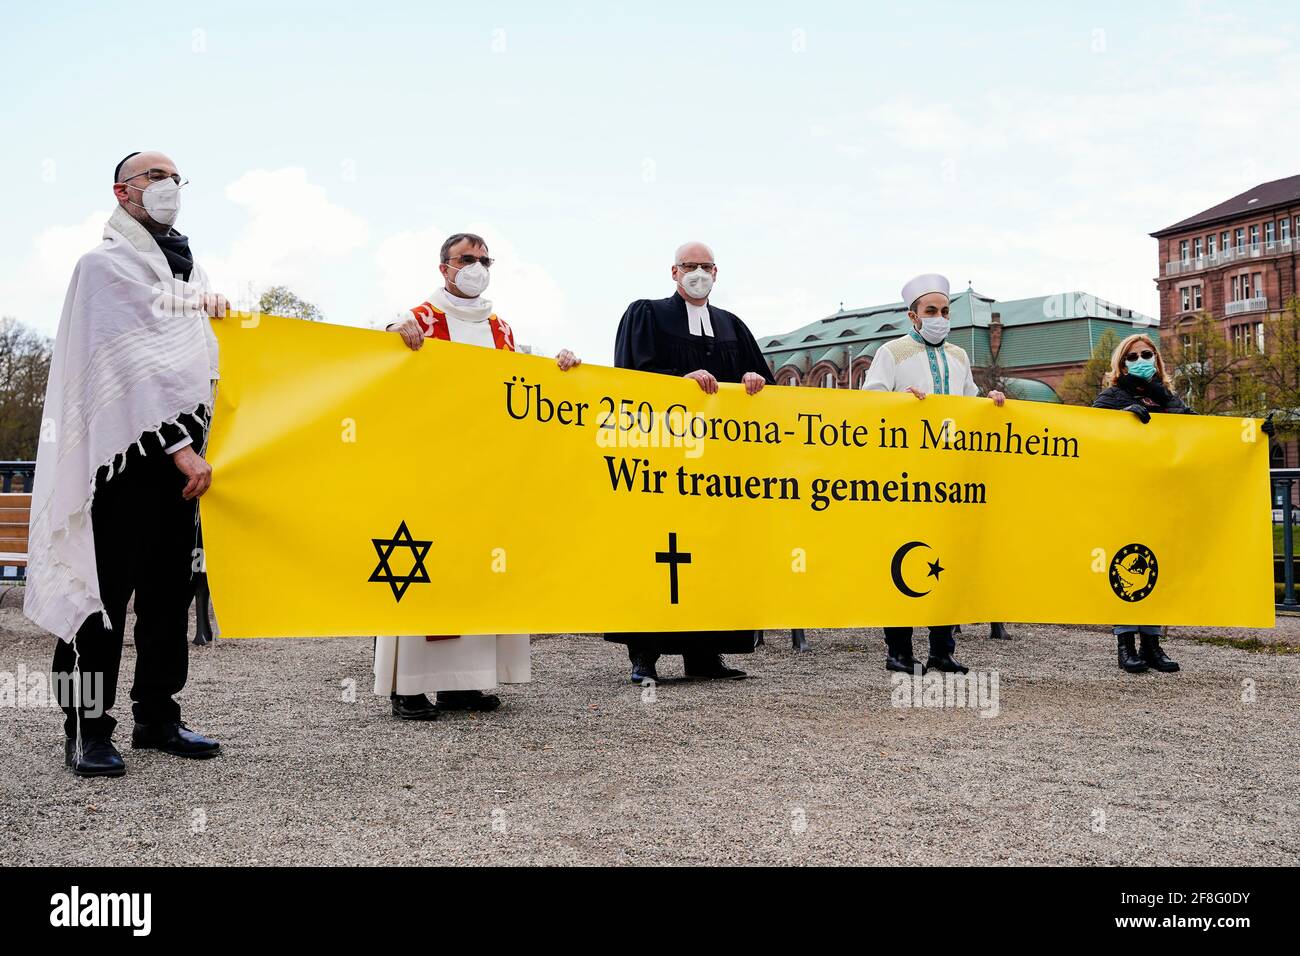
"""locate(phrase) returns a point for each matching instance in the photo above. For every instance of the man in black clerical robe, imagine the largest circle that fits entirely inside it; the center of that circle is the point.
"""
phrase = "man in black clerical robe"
(683, 335)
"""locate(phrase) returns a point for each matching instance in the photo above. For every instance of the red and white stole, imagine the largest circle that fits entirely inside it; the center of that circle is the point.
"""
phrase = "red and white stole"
(437, 324)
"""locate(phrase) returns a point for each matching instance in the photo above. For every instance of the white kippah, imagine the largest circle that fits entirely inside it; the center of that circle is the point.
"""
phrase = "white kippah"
(924, 285)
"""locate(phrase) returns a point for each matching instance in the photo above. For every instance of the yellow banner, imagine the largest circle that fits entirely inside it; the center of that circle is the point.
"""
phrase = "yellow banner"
(361, 488)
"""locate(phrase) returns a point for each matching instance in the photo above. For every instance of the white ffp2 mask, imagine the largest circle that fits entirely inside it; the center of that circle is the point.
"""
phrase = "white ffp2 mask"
(698, 283)
(162, 201)
(472, 280)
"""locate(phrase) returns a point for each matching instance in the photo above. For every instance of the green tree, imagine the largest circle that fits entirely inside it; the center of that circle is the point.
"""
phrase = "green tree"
(279, 300)
(1212, 376)
(24, 371)
(1081, 387)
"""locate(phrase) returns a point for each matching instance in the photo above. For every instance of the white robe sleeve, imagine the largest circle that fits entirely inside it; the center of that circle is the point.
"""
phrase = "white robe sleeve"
(880, 377)
(970, 389)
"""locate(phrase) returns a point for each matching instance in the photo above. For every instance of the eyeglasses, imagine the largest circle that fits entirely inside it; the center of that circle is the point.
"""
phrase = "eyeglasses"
(692, 266)
(158, 175)
(1134, 356)
(468, 260)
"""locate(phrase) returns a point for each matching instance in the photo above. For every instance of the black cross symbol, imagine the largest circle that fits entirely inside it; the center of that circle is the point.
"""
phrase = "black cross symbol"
(672, 557)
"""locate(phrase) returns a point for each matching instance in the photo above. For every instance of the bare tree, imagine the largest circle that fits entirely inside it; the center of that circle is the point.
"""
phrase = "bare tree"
(1213, 376)
(1277, 367)
(991, 377)
(24, 371)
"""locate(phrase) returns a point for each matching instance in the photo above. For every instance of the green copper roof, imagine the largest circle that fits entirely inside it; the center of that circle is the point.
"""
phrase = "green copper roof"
(1038, 331)
(837, 356)
(798, 360)
(1031, 390)
(1067, 340)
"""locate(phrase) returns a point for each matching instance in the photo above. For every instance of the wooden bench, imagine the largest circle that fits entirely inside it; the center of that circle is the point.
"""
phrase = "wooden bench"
(15, 515)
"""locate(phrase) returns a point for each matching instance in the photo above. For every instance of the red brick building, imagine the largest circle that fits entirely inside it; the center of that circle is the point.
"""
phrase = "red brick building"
(1240, 262)
(1237, 260)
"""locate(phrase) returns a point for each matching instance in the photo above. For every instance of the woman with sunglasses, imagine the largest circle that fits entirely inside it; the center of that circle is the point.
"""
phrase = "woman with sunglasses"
(1137, 382)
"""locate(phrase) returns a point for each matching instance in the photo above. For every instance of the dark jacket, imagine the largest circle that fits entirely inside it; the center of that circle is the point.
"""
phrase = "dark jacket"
(1153, 396)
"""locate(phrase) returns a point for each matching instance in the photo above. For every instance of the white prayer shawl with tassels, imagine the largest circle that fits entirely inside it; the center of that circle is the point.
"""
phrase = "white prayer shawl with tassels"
(134, 351)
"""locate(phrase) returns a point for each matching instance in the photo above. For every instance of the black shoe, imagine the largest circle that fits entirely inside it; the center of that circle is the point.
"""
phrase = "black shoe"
(643, 668)
(904, 665)
(1128, 656)
(998, 632)
(946, 663)
(175, 739)
(413, 707)
(467, 700)
(99, 758)
(1154, 655)
(709, 667)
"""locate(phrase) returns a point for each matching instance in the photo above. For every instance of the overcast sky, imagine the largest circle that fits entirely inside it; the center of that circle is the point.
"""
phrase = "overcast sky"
(827, 151)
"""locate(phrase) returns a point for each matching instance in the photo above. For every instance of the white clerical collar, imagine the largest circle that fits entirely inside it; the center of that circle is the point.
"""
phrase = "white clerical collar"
(467, 310)
(697, 318)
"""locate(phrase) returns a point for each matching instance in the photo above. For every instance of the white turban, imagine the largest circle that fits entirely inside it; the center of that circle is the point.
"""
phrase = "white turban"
(924, 285)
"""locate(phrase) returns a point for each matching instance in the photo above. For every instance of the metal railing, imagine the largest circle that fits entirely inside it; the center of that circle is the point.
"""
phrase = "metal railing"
(1258, 303)
(16, 476)
(1229, 254)
(24, 471)
(1283, 481)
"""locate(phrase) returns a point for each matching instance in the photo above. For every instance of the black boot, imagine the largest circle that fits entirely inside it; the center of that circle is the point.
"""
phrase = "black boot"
(643, 667)
(467, 700)
(998, 632)
(708, 667)
(904, 665)
(99, 758)
(1128, 657)
(413, 707)
(173, 738)
(946, 663)
(1155, 657)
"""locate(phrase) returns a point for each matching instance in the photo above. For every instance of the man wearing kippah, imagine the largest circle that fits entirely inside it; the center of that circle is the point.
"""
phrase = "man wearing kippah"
(922, 362)
(120, 470)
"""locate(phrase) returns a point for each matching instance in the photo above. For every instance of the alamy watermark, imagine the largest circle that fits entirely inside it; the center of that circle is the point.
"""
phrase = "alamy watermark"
(977, 690)
(36, 689)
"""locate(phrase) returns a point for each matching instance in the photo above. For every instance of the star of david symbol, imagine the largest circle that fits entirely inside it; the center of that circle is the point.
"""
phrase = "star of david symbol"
(385, 547)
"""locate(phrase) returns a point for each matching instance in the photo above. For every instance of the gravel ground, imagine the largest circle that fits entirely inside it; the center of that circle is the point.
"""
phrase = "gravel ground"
(805, 762)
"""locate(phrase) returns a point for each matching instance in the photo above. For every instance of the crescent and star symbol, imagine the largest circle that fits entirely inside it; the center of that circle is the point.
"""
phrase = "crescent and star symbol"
(896, 569)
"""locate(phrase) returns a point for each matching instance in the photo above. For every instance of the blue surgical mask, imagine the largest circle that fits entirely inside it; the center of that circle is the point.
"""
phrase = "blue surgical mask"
(1143, 368)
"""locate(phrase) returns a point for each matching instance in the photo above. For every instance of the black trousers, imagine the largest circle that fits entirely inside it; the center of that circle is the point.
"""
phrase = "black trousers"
(689, 644)
(145, 535)
(899, 640)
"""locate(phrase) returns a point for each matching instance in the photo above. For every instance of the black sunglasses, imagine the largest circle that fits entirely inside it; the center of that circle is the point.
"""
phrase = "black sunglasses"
(468, 260)
(1145, 353)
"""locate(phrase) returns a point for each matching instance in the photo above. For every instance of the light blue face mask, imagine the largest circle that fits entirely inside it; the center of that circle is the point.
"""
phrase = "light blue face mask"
(1143, 368)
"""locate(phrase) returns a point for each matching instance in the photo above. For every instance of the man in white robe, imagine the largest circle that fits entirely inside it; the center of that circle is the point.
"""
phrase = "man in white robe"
(923, 362)
(458, 669)
(119, 471)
